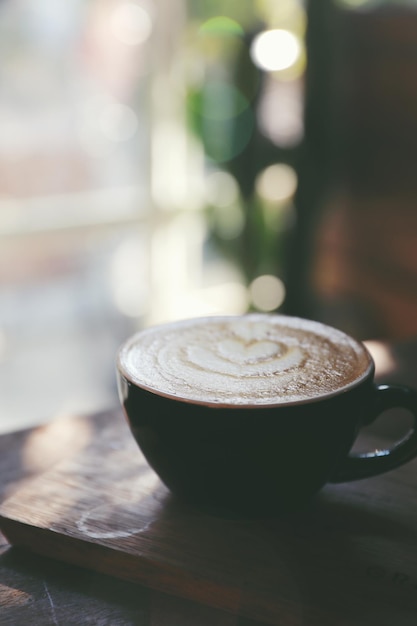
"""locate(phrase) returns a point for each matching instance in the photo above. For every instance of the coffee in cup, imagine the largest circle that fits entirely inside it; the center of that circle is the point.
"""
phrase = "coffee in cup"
(253, 413)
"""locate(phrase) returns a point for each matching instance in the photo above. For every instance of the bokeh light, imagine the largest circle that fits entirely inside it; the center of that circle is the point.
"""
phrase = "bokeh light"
(221, 25)
(222, 189)
(275, 50)
(280, 112)
(104, 122)
(267, 292)
(118, 122)
(221, 101)
(131, 23)
(382, 355)
(224, 139)
(217, 39)
(277, 183)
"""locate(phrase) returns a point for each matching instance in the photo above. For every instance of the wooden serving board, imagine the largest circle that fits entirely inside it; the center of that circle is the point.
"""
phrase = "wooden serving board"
(350, 557)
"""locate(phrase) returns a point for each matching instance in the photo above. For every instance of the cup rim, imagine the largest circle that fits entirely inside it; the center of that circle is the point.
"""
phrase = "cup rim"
(368, 373)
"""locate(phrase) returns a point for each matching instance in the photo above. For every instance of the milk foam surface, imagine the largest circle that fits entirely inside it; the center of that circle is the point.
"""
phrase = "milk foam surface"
(245, 360)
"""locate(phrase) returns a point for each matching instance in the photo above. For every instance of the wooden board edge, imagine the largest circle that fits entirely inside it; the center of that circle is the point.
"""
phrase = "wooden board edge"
(105, 560)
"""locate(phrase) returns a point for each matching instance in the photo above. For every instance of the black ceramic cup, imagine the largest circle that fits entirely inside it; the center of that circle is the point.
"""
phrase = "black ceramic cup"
(261, 458)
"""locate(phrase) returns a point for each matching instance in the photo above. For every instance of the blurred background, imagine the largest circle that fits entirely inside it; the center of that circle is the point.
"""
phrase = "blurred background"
(161, 159)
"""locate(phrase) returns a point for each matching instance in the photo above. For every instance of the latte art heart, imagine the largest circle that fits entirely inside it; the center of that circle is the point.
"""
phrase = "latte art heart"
(252, 359)
(245, 352)
(242, 363)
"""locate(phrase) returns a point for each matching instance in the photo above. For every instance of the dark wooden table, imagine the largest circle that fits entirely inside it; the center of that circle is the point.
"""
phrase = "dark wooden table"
(35, 589)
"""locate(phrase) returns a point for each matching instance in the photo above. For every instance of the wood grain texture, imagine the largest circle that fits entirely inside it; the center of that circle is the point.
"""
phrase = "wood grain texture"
(350, 557)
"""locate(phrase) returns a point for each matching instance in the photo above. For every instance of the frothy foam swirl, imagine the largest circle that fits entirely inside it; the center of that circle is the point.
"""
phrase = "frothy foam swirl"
(245, 360)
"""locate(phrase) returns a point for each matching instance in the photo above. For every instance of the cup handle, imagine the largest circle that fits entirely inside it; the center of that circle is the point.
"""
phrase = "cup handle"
(357, 466)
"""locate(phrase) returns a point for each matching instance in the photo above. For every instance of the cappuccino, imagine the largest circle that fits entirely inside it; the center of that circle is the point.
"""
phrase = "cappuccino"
(248, 360)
